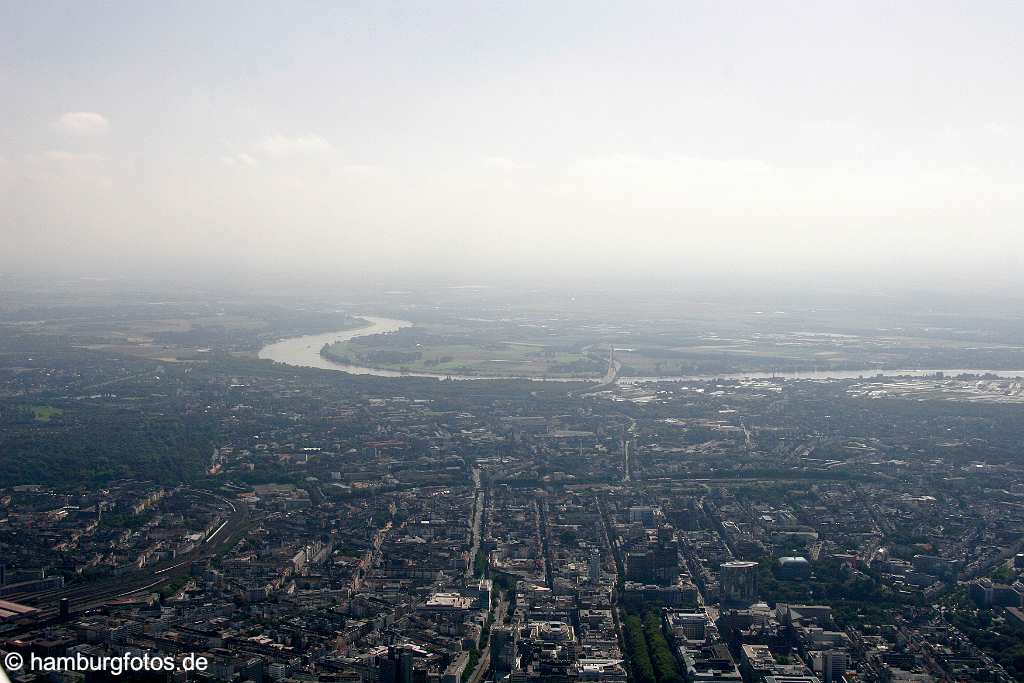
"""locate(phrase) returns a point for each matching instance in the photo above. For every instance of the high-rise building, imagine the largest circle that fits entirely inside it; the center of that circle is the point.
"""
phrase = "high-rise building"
(642, 515)
(504, 653)
(831, 664)
(396, 667)
(738, 580)
(640, 566)
(595, 566)
(655, 563)
(666, 556)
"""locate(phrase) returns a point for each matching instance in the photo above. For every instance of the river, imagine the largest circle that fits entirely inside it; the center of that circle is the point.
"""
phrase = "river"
(305, 352)
(868, 373)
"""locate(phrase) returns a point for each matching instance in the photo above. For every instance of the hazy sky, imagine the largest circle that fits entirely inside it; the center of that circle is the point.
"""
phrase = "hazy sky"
(573, 137)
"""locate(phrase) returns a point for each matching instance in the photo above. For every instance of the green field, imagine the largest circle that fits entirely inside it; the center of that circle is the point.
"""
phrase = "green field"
(485, 359)
(45, 413)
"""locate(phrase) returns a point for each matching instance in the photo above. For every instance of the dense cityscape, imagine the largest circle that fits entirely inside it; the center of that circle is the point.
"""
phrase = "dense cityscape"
(299, 524)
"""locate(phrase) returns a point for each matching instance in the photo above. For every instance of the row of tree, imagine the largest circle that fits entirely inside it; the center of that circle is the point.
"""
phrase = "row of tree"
(648, 652)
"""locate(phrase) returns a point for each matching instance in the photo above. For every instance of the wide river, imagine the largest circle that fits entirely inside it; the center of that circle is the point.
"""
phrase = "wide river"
(305, 352)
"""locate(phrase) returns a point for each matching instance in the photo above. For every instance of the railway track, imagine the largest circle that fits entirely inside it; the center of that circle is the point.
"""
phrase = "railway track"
(90, 596)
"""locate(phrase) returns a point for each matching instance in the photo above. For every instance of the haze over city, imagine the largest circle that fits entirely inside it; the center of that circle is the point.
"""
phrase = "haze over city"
(511, 342)
(860, 142)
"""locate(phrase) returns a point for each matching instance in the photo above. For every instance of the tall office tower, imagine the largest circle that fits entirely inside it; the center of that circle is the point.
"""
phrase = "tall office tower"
(666, 556)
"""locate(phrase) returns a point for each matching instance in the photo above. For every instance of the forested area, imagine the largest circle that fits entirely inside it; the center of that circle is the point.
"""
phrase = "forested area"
(86, 443)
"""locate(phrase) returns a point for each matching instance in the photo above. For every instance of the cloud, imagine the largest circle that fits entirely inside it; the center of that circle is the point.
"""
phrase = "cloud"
(284, 146)
(82, 123)
(70, 169)
(240, 159)
(503, 163)
(674, 165)
(365, 170)
(61, 156)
